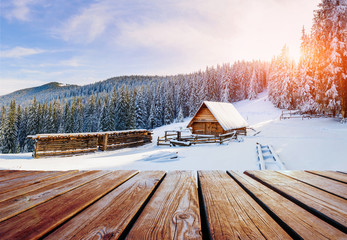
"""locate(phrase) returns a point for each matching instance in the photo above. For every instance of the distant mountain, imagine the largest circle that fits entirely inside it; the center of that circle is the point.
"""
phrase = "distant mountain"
(58, 91)
(42, 92)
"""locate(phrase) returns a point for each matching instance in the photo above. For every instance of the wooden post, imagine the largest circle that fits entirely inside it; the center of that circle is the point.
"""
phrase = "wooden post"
(35, 149)
(105, 140)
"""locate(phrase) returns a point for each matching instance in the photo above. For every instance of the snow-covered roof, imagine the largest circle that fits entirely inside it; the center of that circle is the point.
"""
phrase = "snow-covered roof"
(84, 134)
(226, 115)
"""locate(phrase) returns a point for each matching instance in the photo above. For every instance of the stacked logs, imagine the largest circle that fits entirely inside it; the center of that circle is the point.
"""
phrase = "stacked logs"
(77, 143)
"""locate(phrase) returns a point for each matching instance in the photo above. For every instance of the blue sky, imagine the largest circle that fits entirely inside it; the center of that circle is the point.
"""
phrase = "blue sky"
(82, 41)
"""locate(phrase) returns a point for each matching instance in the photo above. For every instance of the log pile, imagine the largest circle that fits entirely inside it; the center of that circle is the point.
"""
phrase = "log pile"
(77, 143)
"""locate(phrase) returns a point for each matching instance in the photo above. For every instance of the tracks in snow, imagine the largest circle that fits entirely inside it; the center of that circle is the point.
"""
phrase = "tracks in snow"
(268, 158)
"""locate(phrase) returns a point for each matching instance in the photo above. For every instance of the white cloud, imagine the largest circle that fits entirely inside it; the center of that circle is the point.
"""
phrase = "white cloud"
(18, 9)
(89, 24)
(18, 52)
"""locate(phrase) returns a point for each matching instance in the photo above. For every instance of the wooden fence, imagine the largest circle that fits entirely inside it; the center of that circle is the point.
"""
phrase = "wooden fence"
(76, 143)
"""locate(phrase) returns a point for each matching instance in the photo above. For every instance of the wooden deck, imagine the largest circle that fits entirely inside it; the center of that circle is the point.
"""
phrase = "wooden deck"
(173, 205)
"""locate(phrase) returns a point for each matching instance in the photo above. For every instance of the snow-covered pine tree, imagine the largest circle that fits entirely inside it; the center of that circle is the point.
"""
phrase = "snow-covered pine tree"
(33, 123)
(180, 117)
(252, 93)
(2, 126)
(78, 117)
(168, 107)
(151, 117)
(10, 131)
(305, 73)
(131, 116)
(122, 109)
(140, 109)
(329, 35)
(105, 116)
(112, 110)
(98, 112)
(22, 130)
(90, 117)
(67, 119)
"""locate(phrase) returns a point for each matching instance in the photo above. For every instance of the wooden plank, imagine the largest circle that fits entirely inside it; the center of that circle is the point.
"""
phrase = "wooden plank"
(173, 211)
(232, 213)
(37, 185)
(17, 174)
(331, 186)
(324, 205)
(111, 214)
(16, 183)
(337, 176)
(45, 217)
(300, 222)
(18, 204)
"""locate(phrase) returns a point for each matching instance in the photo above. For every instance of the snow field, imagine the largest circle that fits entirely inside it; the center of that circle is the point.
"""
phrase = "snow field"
(316, 144)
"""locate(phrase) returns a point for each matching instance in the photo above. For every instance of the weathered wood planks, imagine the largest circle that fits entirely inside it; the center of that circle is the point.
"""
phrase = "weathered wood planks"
(77, 143)
(173, 211)
(18, 204)
(337, 176)
(232, 213)
(331, 186)
(109, 217)
(38, 221)
(152, 205)
(24, 189)
(325, 205)
(21, 182)
(298, 221)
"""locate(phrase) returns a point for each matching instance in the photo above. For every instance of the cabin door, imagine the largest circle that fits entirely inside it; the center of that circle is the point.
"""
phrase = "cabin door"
(211, 128)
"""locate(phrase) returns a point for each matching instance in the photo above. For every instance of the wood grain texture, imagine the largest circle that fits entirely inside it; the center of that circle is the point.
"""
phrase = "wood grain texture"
(16, 174)
(331, 186)
(323, 203)
(17, 183)
(37, 185)
(18, 204)
(232, 213)
(109, 216)
(45, 217)
(305, 224)
(337, 176)
(173, 211)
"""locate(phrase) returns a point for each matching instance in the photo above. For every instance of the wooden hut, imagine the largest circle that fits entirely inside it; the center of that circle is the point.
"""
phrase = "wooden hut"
(215, 118)
(77, 143)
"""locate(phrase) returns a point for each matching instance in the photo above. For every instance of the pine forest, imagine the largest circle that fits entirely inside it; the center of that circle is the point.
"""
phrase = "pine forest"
(316, 84)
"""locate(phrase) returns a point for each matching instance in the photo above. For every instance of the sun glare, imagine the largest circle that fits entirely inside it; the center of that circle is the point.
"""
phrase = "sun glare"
(294, 53)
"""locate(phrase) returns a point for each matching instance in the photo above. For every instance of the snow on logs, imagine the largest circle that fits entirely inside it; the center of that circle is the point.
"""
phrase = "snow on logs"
(76, 143)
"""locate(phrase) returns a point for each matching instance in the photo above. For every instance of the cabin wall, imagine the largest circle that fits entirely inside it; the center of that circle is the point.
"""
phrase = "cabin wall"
(204, 115)
(207, 128)
(205, 123)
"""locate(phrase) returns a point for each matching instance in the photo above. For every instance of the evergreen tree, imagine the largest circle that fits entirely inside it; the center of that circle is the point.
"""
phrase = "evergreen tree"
(33, 124)
(122, 109)
(90, 116)
(252, 94)
(140, 109)
(105, 116)
(180, 117)
(2, 127)
(131, 116)
(10, 133)
(22, 131)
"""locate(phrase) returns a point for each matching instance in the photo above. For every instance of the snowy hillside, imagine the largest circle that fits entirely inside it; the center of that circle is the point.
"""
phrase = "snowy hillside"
(318, 144)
